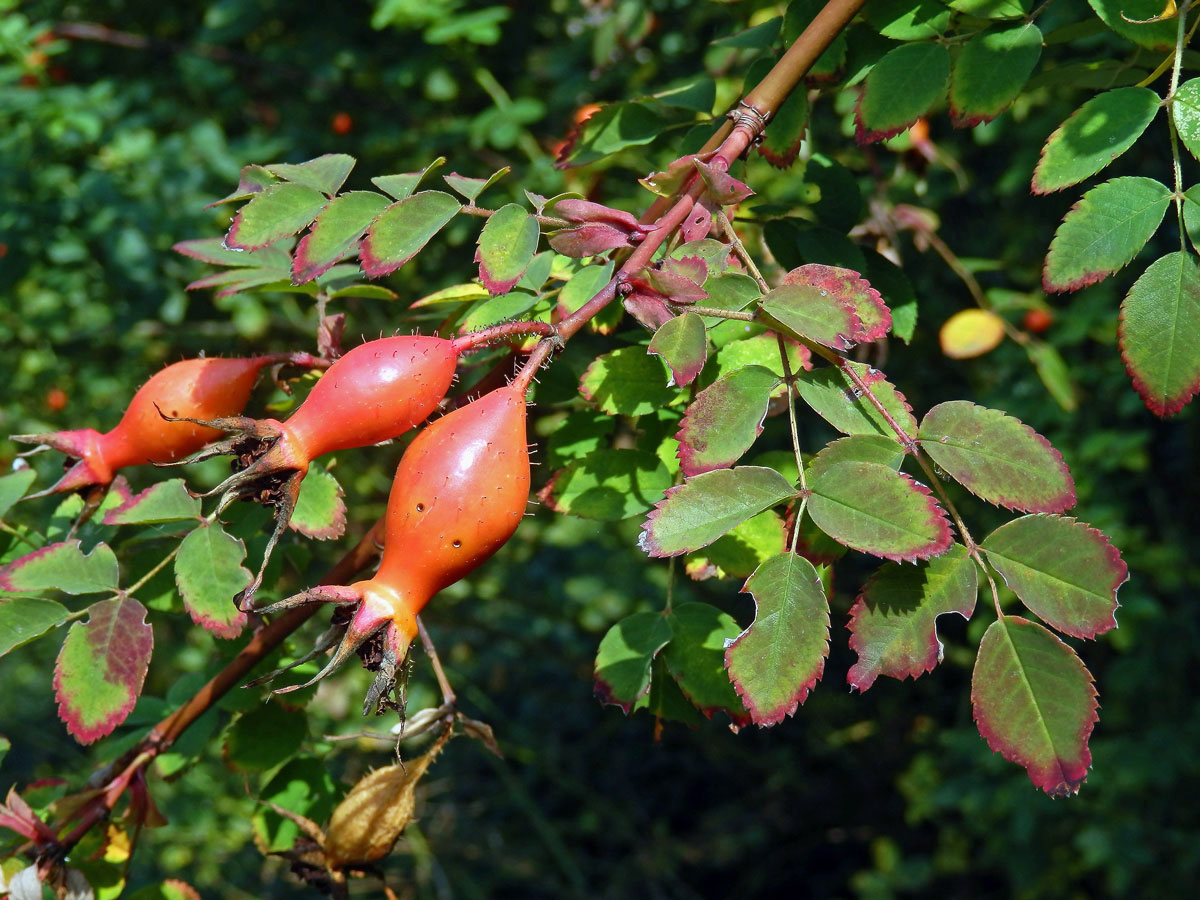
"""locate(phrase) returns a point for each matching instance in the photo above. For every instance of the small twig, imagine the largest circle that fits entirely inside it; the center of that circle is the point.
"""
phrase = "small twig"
(790, 384)
(448, 698)
(547, 221)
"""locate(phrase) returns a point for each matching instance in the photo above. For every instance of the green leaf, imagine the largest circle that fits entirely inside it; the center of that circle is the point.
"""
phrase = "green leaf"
(13, 487)
(758, 37)
(101, 667)
(624, 658)
(872, 448)
(762, 349)
(704, 507)
(471, 188)
(1063, 571)
(335, 233)
(695, 657)
(893, 623)
(896, 291)
(729, 290)
(806, 311)
(724, 419)
(1093, 136)
(581, 433)
(1160, 319)
(627, 382)
(403, 229)
(320, 512)
(252, 180)
(907, 20)
(795, 242)
(618, 126)
(875, 509)
(268, 736)
(608, 485)
(683, 345)
(167, 501)
(838, 400)
(993, 9)
(325, 173)
(777, 660)
(739, 552)
(278, 212)
(63, 567)
(799, 15)
(849, 288)
(1034, 703)
(23, 619)
(1185, 111)
(1122, 15)
(997, 457)
(1052, 370)
(785, 132)
(1104, 231)
(499, 309)
(583, 286)
(304, 786)
(367, 291)
(402, 186)
(991, 70)
(506, 245)
(901, 88)
(209, 574)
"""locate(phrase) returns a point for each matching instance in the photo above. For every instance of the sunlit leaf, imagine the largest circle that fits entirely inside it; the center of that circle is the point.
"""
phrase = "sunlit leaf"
(167, 501)
(695, 657)
(683, 346)
(63, 567)
(624, 657)
(990, 71)
(403, 229)
(326, 173)
(506, 245)
(901, 88)
(608, 485)
(724, 419)
(280, 211)
(335, 233)
(209, 574)
(627, 382)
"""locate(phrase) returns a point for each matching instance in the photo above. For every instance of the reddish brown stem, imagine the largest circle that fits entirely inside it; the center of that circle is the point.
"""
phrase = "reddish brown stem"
(473, 340)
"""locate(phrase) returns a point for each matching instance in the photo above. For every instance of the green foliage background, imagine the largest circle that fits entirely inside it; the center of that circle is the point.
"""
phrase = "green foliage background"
(108, 155)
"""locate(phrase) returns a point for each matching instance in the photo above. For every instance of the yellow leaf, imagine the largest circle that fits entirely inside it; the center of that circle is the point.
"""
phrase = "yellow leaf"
(972, 332)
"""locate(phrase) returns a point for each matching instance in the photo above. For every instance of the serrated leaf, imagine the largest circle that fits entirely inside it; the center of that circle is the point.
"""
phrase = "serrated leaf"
(695, 657)
(873, 508)
(320, 512)
(1160, 319)
(777, 660)
(583, 286)
(991, 70)
(402, 186)
(873, 448)
(252, 180)
(1064, 571)
(1185, 112)
(1093, 136)
(1104, 231)
(618, 126)
(893, 623)
(325, 173)
(970, 333)
(739, 552)
(997, 457)
(1034, 703)
(23, 619)
(608, 485)
(401, 231)
(627, 382)
(167, 501)
(683, 345)
(209, 574)
(839, 401)
(458, 293)
(704, 507)
(213, 250)
(805, 311)
(908, 20)
(785, 132)
(847, 286)
(101, 667)
(13, 487)
(63, 567)
(268, 736)
(624, 658)
(1126, 18)
(900, 89)
(724, 419)
(280, 211)
(471, 188)
(506, 245)
(335, 233)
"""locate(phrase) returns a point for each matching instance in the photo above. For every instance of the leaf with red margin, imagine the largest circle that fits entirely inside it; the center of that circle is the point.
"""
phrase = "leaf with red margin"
(63, 567)
(784, 135)
(704, 507)
(893, 623)
(101, 667)
(722, 186)
(777, 660)
(1034, 703)
(401, 231)
(252, 180)
(682, 343)
(724, 419)
(997, 457)
(335, 233)
(167, 501)
(209, 573)
(506, 245)
(1093, 136)
(839, 401)
(804, 311)
(622, 672)
(899, 89)
(580, 212)
(1160, 318)
(672, 286)
(213, 250)
(1064, 571)
(875, 509)
(693, 268)
(695, 657)
(325, 173)
(588, 240)
(990, 71)
(1104, 231)
(872, 448)
(875, 319)
(320, 511)
(280, 211)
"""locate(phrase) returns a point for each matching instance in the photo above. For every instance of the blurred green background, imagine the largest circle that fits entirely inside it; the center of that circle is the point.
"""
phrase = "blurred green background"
(120, 121)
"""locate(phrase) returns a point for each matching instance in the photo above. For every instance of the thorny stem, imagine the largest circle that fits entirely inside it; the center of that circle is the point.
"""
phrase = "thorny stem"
(548, 221)
(473, 340)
